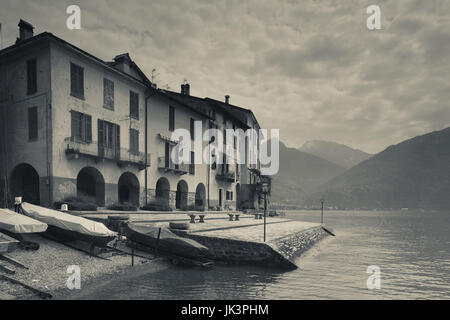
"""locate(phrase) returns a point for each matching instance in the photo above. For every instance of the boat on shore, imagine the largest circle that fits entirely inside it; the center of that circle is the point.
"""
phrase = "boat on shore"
(165, 241)
(65, 227)
(7, 243)
(15, 223)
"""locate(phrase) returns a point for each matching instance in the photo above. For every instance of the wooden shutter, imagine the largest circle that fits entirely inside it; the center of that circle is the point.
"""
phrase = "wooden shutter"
(171, 118)
(192, 164)
(117, 145)
(167, 155)
(31, 76)
(192, 129)
(101, 137)
(88, 126)
(32, 123)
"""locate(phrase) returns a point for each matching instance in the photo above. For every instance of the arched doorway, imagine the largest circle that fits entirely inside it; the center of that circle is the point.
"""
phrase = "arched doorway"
(182, 195)
(24, 182)
(200, 197)
(162, 190)
(238, 196)
(91, 185)
(129, 189)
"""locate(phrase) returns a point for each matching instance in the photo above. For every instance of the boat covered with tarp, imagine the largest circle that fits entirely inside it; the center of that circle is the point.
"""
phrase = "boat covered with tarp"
(16, 223)
(168, 242)
(66, 227)
(7, 244)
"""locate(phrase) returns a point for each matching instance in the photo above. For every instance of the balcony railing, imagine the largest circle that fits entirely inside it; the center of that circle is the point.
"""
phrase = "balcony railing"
(76, 149)
(167, 165)
(225, 173)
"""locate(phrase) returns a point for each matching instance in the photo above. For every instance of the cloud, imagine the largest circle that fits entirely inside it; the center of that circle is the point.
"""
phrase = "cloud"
(310, 68)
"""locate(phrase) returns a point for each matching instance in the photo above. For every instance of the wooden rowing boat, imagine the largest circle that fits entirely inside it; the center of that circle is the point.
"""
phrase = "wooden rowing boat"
(65, 227)
(165, 241)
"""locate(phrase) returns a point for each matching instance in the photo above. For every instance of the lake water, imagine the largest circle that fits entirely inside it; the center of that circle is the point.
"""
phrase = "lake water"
(411, 248)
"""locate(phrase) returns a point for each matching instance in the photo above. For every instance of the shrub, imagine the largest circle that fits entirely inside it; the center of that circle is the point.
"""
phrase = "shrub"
(77, 203)
(122, 207)
(157, 205)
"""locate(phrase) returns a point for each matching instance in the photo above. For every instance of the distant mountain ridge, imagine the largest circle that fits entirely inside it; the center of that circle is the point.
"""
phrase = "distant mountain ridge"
(412, 174)
(299, 175)
(339, 154)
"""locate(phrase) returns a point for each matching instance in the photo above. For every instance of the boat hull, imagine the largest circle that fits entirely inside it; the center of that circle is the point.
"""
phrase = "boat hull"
(63, 235)
(168, 243)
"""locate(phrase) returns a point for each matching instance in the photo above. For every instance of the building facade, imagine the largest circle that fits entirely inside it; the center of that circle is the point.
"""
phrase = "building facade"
(73, 125)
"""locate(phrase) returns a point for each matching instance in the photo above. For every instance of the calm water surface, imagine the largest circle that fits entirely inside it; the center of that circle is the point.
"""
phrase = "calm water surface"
(412, 249)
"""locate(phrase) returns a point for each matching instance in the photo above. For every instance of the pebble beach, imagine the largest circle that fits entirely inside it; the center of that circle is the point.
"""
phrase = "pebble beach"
(47, 269)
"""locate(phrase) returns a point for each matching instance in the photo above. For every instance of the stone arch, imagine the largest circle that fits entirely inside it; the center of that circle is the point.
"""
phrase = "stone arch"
(163, 190)
(181, 200)
(24, 182)
(128, 189)
(200, 197)
(91, 184)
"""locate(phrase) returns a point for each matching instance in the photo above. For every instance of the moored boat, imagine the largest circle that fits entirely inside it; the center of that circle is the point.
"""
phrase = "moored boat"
(15, 223)
(65, 227)
(168, 242)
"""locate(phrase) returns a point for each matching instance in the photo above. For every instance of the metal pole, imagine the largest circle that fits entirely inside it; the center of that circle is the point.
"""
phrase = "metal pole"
(265, 214)
(132, 254)
(321, 216)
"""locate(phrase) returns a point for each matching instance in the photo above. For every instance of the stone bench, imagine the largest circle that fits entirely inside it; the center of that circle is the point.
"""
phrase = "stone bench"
(236, 216)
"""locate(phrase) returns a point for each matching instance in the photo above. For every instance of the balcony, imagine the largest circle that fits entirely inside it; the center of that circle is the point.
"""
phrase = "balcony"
(76, 149)
(167, 165)
(224, 174)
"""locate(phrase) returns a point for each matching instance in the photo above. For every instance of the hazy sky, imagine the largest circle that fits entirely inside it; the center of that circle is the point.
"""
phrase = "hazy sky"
(310, 68)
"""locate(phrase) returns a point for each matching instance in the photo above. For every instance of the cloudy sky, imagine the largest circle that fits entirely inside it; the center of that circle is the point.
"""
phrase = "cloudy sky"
(310, 68)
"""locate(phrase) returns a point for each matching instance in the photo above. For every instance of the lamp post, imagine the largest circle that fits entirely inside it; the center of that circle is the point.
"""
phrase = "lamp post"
(321, 215)
(265, 190)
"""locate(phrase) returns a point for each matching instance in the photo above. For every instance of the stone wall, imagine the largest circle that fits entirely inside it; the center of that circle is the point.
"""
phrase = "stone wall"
(276, 254)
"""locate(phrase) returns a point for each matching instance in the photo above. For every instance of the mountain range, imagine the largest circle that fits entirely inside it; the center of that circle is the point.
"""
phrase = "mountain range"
(339, 154)
(299, 175)
(414, 173)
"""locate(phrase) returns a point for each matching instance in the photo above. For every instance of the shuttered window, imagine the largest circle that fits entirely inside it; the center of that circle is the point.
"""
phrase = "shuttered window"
(76, 81)
(31, 76)
(192, 129)
(32, 123)
(192, 164)
(134, 141)
(108, 94)
(108, 139)
(81, 126)
(134, 105)
(171, 118)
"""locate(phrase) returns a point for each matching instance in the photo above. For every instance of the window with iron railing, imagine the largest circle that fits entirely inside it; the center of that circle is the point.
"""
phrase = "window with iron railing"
(81, 127)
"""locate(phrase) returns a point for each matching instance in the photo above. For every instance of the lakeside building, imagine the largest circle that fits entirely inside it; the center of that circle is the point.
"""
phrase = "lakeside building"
(74, 125)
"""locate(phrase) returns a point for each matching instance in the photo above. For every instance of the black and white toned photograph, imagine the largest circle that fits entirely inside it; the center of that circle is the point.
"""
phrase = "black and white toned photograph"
(225, 150)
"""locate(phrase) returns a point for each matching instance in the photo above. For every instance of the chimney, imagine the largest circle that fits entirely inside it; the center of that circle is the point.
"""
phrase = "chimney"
(185, 89)
(25, 31)
(227, 99)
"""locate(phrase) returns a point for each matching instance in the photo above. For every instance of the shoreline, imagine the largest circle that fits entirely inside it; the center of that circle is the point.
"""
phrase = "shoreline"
(230, 243)
(48, 266)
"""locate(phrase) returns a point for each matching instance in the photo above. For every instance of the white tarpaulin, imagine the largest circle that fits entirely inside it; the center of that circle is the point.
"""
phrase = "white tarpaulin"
(67, 221)
(18, 223)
